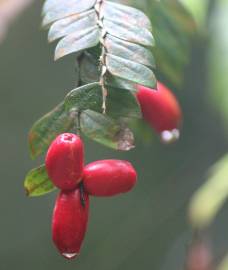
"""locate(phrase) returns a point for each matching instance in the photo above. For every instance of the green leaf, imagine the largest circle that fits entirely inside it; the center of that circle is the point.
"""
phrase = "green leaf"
(77, 41)
(128, 50)
(37, 182)
(130, 70)
(120, 83)
(102, 129)
(209, 199)
(126, 31)
(89, 71)
(44, 131)
(117, 12)
(72, 24)
(54, 10)
(85, 97)
(120, 103)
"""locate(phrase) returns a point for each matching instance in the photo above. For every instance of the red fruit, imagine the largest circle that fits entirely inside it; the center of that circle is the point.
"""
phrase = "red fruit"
(65, 161)
(69, 222)
(109, 177)
(160, 109)
(199, 257)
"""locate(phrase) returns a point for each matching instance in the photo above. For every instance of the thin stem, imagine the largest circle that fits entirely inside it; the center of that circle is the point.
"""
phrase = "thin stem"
(103, 54)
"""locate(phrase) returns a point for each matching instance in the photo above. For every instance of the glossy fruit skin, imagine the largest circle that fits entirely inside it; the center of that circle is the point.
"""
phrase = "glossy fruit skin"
(69, 222)
(65, 161)
(109, 177)
(160, 107)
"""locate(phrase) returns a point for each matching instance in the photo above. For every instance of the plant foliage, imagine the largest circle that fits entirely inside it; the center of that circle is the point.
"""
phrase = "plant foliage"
(112, 43)
(209, 199)
(173, 28)
(37, 182)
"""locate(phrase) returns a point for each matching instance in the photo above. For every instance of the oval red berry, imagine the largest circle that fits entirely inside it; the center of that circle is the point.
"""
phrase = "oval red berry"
(109, 177)
(69, 222)
(160, 108)
(65, 161)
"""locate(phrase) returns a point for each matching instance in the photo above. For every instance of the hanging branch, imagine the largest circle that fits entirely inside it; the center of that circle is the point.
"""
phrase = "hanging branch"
(112, 43)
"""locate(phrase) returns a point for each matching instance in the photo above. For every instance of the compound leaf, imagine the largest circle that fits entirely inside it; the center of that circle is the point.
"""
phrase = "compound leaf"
(122, 31)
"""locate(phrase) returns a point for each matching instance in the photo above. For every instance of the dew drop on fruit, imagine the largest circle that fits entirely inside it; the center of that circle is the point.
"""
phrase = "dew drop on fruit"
(70, 255)
(170, 136)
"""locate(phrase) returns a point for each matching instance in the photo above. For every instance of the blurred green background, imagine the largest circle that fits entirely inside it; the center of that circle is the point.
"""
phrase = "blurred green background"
(147, 228)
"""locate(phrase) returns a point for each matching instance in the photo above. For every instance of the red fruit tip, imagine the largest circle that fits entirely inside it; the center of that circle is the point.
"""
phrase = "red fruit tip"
(70, 256)
(170, 136)
(68, 137)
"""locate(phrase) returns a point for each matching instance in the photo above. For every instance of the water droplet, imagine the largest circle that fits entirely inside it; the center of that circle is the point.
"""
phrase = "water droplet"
(70, 255)
(170, 136)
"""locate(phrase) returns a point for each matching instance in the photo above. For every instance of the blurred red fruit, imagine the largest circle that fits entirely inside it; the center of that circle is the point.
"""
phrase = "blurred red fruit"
(109, 177)
(161, 110)
(65, 161)
(199, 257)
(69, 222)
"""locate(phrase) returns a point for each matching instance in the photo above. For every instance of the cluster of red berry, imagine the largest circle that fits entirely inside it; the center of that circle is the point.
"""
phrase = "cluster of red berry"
(65, 167)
